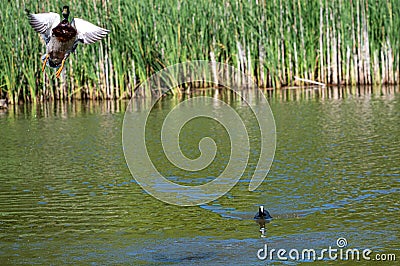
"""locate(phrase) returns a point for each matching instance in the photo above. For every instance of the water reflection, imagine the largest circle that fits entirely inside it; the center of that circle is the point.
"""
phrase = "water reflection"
(70, 109)
(58, 109)
(326, 93)
(66, 195)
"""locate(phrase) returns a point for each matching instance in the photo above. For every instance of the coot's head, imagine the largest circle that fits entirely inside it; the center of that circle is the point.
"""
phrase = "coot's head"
(262, 214)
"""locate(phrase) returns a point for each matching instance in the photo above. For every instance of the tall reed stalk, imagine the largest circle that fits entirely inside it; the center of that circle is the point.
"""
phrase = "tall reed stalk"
(278, 42)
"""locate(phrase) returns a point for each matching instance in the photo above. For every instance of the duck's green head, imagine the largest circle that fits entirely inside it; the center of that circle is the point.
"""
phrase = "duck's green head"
(65, 12)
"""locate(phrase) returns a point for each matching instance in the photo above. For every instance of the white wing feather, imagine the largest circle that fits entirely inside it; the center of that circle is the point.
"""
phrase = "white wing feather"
(87, 32)
(43, 23)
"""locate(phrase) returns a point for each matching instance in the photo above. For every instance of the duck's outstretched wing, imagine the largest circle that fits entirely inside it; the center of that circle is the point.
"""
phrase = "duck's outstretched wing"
(87, 32)
(43, 23)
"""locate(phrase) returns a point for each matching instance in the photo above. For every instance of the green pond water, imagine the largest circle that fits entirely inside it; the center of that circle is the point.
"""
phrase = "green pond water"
(67, 195)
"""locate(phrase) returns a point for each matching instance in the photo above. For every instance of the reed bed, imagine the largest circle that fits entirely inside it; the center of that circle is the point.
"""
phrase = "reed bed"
(278, 42)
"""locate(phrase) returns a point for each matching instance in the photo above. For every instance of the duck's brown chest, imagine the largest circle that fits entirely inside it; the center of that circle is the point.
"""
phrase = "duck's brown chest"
(63, 38)
(64, 32)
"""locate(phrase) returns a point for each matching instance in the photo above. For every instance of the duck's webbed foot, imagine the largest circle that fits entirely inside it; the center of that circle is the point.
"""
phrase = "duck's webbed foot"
(45, 61)
(58, 73)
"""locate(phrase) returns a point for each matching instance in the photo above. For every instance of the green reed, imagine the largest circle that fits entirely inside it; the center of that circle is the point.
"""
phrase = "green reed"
(276, 42)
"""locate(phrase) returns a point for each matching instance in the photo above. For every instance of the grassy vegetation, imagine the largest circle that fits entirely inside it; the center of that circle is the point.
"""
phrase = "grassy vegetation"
(336, 42)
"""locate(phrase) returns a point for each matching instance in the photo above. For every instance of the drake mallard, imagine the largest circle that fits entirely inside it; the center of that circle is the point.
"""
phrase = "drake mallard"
(63, 37)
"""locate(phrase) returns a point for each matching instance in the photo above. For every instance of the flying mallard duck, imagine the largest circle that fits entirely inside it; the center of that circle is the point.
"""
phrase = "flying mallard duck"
(63, 37)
